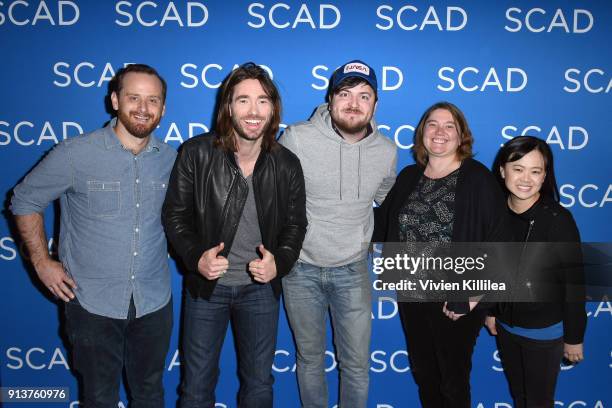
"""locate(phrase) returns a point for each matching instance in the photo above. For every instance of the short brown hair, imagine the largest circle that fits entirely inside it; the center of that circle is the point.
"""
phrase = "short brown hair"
(224, 127)
(464, 150)
(116, 84)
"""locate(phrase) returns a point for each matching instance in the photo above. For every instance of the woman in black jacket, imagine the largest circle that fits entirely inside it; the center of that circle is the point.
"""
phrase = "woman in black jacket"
(445, 197)
(547, 320)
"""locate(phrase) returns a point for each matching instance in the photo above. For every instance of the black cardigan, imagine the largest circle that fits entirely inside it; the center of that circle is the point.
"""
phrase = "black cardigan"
(480, 209)
(561, 263)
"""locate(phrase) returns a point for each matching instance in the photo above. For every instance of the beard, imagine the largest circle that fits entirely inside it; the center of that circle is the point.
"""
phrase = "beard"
(244, 134)
(348, 126)
(136, 129)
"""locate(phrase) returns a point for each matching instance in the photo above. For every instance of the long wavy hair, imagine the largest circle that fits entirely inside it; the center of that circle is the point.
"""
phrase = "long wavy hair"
(224, 128)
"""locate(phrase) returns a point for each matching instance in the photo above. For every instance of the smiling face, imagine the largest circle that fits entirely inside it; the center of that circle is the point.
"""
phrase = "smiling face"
(352, 109)
(441, 134)
(250, 110)
(139, 105)
(524, 178)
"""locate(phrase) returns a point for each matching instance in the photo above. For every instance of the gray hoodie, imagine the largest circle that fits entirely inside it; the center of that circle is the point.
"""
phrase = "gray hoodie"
(342, 181)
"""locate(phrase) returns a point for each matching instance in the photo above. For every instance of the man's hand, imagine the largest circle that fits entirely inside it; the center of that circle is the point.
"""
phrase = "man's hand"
(53, 275)
(264, 269)
(573, 352)
(490, 323)
(211, 265)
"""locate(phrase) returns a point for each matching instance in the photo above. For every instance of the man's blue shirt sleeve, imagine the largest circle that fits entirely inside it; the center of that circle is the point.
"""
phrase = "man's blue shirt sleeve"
(45, 183)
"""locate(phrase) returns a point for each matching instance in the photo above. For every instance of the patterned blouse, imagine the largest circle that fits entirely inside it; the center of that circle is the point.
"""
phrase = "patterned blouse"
(427, 217)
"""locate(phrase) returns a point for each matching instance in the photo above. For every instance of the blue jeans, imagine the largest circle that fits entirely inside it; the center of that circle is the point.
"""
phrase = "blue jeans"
(102, 347)
(309, 291)
(253, 311)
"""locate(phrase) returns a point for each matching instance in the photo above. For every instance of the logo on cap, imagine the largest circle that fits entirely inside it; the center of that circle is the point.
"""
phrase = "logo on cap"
(357, 67)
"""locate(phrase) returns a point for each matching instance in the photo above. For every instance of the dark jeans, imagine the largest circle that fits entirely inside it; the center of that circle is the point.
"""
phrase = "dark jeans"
(440, 352)
(102, 347)
(531, 367)
(253, 311)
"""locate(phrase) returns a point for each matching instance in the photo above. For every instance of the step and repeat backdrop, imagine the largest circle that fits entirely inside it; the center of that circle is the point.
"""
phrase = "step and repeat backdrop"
(542, 68)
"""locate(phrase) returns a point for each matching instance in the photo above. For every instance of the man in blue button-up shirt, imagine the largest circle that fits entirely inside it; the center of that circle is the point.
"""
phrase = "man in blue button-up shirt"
(113, 270)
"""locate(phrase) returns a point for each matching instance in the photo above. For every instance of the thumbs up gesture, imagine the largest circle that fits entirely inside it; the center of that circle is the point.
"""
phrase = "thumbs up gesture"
(264, 269)
(211, 265)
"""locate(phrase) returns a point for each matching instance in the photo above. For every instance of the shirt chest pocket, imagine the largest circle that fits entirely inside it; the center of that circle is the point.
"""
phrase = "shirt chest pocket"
(104, 198)
(159, 186)
(157, 194)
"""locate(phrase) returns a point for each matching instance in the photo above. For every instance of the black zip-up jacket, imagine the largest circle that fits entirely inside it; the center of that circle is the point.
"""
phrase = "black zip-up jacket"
(206, 196)
(551, 264)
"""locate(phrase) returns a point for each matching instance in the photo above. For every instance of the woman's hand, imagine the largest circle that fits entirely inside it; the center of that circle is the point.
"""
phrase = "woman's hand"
(455, 316)
(573, 352)
(490, 323)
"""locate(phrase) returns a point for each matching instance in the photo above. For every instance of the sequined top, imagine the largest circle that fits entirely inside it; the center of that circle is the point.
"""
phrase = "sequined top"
(427, 217)
(428, 213)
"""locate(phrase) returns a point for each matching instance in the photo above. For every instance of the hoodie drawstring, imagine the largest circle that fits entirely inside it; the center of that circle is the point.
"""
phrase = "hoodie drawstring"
(359, 173)
(340, 171)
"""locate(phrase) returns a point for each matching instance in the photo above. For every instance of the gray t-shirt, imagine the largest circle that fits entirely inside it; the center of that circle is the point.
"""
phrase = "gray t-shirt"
(246, 241)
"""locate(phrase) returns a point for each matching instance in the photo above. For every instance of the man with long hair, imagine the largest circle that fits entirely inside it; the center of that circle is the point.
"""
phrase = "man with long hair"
(348, 164)
(235, 214)
(113, 270)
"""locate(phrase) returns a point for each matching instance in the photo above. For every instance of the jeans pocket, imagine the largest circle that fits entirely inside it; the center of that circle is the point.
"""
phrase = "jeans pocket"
(293, 272)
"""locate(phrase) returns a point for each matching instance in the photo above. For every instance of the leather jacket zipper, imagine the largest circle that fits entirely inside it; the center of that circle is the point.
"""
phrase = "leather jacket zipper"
(518, 271)
(529, 230)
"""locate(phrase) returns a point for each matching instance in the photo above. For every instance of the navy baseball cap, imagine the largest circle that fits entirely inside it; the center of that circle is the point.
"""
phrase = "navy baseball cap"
(355, 68)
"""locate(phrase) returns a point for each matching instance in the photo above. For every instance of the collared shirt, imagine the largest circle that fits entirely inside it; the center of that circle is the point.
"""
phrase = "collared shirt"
(111, 237)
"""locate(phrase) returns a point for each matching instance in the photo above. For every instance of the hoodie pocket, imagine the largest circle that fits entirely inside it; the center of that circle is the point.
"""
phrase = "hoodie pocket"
(332, 243)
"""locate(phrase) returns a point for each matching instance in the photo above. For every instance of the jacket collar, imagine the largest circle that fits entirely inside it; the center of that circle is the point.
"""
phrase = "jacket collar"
(231, 158)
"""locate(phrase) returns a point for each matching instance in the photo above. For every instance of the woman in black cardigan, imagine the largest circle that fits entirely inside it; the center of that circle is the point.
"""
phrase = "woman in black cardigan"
(533, 336)
(445, 197)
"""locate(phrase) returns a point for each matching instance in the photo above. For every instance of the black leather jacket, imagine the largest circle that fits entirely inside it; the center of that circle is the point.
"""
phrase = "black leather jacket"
(205, 198)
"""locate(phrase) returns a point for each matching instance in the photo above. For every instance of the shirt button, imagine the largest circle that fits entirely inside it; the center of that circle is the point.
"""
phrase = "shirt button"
(132, 277)
(137, 181)
(135, 253)
(137, 205)
(136, 229)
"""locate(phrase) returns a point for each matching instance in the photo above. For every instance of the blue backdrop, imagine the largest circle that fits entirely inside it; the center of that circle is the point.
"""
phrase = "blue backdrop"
(514, 67)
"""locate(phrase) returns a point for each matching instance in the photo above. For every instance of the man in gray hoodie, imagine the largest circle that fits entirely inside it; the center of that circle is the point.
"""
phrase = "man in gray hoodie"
(347, 165)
